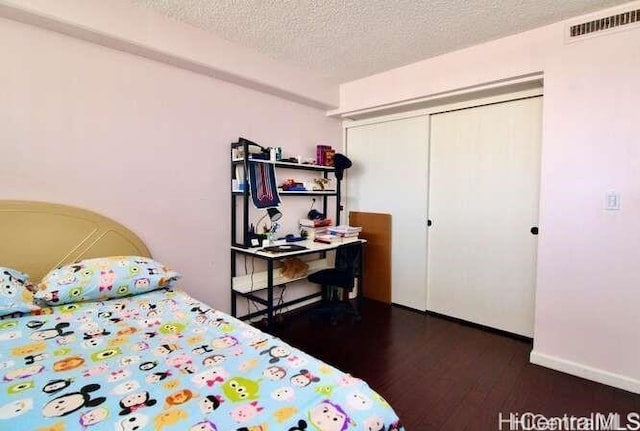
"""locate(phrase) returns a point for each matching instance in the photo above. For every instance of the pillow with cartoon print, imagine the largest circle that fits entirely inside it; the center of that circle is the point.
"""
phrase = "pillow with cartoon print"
(15, 294)
(104, 278)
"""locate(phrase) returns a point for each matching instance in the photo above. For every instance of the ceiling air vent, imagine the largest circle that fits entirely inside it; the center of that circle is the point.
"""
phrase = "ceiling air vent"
(604, 24)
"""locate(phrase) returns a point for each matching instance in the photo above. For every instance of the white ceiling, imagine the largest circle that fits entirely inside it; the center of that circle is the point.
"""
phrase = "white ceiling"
(344, 40)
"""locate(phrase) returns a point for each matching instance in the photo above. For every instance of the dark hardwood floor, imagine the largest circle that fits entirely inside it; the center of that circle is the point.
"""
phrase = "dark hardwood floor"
(444, 375)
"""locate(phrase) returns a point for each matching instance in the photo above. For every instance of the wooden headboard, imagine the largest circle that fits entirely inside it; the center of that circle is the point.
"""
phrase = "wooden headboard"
(38, 236)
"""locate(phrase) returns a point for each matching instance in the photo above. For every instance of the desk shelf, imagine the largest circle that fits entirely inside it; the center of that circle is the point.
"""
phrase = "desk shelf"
(259, 286)
(258, 281)
(296, 193)
(288, 165)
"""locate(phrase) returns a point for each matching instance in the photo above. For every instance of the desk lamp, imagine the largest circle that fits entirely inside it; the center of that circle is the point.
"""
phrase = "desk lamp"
(274, 215)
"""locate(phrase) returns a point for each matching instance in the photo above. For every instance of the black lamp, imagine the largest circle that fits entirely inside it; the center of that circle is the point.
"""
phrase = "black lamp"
(274, 214)
(341, 162)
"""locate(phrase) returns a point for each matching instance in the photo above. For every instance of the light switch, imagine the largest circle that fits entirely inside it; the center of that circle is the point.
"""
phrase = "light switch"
(612, 201)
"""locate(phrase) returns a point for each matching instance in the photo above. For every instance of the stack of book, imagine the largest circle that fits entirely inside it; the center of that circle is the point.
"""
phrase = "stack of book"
(324, 155)
(313, 228)
(344, 231)
(324, 222)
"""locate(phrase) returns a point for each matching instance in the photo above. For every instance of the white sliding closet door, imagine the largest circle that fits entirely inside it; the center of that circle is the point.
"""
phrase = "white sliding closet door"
(483, 201)
(389, 175)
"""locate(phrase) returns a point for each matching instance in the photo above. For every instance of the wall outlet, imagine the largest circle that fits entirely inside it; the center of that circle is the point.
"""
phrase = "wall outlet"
(612, 201)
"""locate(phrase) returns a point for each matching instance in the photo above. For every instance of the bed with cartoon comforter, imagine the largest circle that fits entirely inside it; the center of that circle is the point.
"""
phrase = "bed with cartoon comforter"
(163, 361)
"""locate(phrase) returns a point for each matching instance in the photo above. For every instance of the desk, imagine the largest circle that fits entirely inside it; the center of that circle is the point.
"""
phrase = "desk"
(246, 285)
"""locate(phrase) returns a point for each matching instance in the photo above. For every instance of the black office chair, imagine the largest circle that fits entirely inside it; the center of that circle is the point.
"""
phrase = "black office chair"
(337, 282)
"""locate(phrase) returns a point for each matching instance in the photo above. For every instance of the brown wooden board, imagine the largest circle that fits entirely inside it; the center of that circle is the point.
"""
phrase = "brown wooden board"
(376, 229)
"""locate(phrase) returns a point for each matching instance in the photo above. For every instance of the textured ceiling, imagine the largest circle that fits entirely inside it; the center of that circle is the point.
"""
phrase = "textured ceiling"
(344, 40)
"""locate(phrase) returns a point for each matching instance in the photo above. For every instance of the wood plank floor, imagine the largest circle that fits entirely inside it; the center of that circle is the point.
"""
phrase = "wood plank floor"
(444, 375)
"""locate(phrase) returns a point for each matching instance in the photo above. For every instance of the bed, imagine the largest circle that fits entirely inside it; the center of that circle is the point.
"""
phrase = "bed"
(145, 355)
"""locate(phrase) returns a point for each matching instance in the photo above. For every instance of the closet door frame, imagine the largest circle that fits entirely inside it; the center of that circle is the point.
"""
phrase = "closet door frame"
(471, 103)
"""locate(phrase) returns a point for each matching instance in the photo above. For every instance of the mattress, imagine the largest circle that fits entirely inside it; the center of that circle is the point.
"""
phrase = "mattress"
(164, 361)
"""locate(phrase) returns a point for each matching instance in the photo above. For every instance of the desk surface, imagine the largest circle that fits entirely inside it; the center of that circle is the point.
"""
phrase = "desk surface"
(311, 247)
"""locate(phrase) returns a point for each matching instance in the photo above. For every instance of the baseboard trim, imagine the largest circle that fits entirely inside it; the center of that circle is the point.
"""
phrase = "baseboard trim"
(586, 372)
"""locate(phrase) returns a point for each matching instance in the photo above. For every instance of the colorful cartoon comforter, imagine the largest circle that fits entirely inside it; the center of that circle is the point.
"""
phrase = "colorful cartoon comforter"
(164, 361)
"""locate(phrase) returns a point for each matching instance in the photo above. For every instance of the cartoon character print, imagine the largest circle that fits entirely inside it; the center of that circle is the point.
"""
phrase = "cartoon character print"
(72, 401)
(205, 425)
(304, 378)
(164, 349)
(126, 387)
(178, 360)
(129, 360)
(148, 365)
(120, 374)
(29, 349)
(169, 417)
(142, 283)
(284, 393)
(283, 414)
(10, 335)
(47, 334)
(93, 417)
(328, 416)
(132, 422)
(16, 408)
(55, 386)
(131, 403)
(224, 342)
(213, 360)
(157, 377)
(277, 353)
(36, 324)
(209, 403)
(210, 377)
(32, 359)
(274, 373)
(245, 412)
(201, 350)
(95, 333)
(23, 372)
(9, 285)
(373, 423)
(92, 343)
(179, 397)
(95, 370)
(139, 346)
(7, 364)
(241, 389)
(106, 280)
(359, 401)
(68, 363)
(172, 328)
(21, 386)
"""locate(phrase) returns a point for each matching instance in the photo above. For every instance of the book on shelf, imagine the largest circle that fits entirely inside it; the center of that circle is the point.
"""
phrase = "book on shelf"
(324, 155)
(326, 238)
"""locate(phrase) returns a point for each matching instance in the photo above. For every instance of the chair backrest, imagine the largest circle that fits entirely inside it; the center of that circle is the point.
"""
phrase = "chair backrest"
(348, 259)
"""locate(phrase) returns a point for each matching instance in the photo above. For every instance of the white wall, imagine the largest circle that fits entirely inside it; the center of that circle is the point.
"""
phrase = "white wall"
(139, 141)
(588, 291)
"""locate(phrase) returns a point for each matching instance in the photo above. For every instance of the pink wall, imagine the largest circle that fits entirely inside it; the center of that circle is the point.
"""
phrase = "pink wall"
(588, 291)
(121, 25)
(142, 142)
